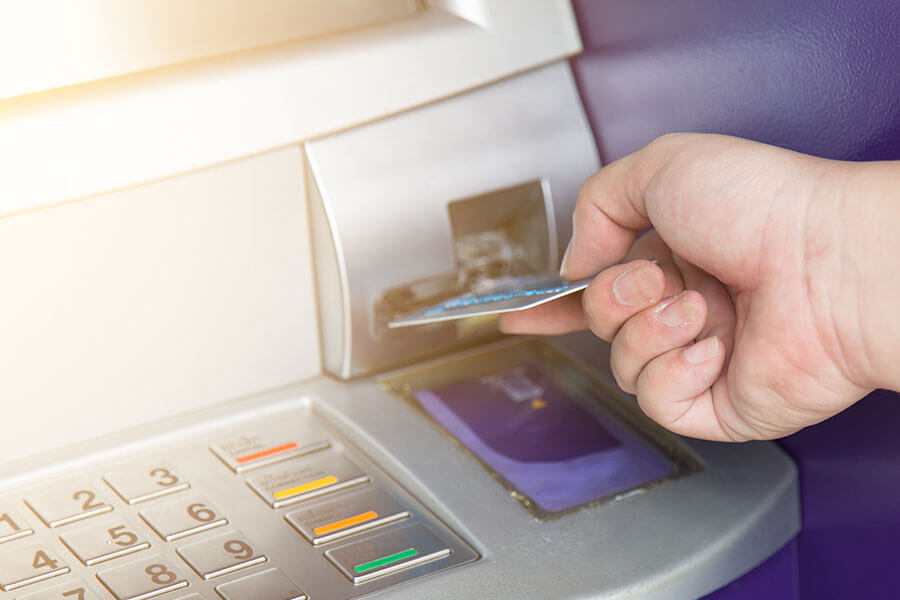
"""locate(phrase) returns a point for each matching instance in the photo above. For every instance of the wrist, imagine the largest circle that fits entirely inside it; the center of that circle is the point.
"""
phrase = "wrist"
(869, 268)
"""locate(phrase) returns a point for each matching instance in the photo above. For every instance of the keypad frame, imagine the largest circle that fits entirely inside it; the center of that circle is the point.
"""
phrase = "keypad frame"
(209, 476)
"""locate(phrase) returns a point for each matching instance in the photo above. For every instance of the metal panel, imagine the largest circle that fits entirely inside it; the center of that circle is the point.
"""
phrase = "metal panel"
(384, 191)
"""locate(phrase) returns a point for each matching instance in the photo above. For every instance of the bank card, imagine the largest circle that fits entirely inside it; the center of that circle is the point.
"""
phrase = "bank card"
(509, 295)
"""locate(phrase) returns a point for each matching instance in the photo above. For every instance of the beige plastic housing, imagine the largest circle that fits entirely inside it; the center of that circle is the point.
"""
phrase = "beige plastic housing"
(81, 140)
(155, 256)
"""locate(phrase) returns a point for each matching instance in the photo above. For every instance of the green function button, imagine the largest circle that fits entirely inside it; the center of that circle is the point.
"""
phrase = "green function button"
(387, 560)
(404, 549)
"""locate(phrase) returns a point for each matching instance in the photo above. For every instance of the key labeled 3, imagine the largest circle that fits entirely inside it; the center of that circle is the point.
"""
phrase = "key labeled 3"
(145, 481)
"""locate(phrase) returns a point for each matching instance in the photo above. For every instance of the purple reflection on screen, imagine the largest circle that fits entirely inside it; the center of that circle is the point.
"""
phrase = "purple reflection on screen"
(548, 445)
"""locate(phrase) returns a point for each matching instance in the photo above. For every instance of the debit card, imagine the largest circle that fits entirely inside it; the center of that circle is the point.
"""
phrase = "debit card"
(510, 295)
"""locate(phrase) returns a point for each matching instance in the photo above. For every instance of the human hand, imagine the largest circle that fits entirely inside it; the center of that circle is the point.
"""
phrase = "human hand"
(761, 315)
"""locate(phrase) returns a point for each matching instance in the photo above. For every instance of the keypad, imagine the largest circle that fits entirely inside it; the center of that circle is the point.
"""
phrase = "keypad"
(222, 519)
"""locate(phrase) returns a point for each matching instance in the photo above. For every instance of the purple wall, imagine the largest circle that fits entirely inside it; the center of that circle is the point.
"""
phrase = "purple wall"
(821, 77)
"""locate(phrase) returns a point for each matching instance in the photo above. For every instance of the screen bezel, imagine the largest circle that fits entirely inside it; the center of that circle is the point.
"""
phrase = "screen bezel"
(570, 373)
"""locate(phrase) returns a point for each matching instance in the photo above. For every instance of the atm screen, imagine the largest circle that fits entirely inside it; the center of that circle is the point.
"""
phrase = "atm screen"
(545, 432)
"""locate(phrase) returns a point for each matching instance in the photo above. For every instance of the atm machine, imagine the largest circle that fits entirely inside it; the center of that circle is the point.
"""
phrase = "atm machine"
(211, 213)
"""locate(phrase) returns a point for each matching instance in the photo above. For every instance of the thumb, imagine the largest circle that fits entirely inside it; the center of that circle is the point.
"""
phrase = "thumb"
(610, 212)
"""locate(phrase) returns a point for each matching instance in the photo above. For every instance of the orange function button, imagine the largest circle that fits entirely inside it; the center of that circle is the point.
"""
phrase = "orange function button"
(345, 515)
(254, 450)
(345, 523)
(305, 478)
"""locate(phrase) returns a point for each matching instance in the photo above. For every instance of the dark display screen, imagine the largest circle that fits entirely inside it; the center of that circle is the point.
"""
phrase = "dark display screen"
(546, 443)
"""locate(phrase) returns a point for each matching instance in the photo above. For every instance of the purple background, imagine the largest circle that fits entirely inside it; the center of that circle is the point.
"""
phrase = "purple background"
(821, 77)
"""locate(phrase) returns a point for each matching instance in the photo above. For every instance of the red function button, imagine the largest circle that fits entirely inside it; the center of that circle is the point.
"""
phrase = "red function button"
(249, 451)
(267, 452)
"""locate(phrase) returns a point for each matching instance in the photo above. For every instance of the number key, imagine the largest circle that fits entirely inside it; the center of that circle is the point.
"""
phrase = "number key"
(29, 564)
(12, 525)
(145, 481)
(142, 579)
(73, 590)
(270, 584)
(60, 505)
(102, 542)
(220, 555)
(175, 520)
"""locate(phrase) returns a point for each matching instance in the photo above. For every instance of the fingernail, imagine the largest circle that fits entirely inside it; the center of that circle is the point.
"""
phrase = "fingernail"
(636, 286)
(702, 351)
(678, 312)
(564, 265)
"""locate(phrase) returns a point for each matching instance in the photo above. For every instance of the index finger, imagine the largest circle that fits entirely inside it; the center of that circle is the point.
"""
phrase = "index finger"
(610, 211)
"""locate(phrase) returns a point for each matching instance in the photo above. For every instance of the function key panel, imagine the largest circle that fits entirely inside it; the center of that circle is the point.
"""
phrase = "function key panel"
(284, 509)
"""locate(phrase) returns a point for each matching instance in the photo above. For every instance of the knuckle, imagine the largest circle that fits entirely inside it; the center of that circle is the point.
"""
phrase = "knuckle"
(595, 314)
(623, 375)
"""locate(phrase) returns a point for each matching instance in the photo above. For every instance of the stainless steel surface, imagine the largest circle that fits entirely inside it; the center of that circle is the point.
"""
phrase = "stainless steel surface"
(270, 584)
(380, 195)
